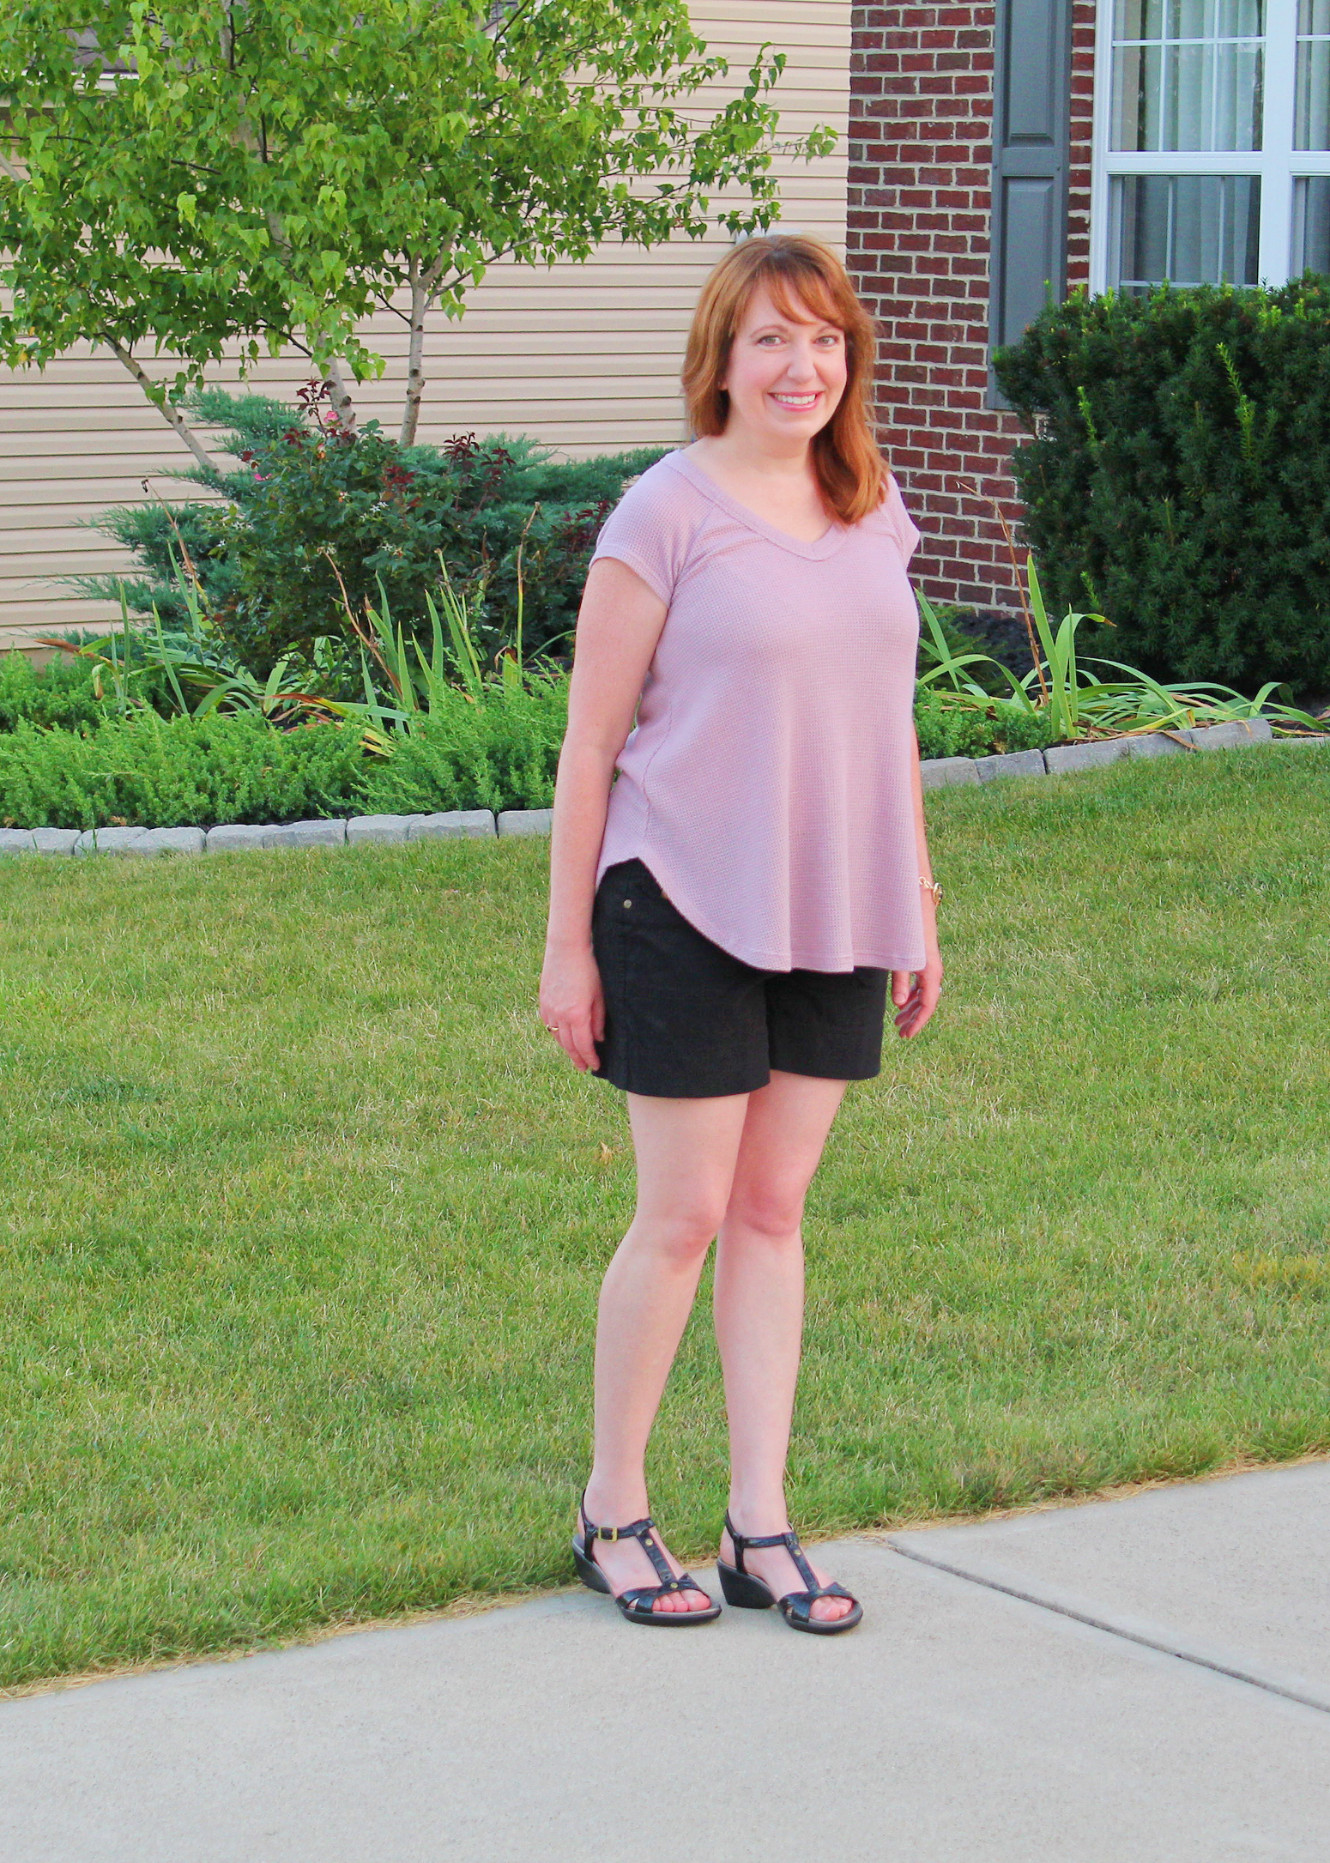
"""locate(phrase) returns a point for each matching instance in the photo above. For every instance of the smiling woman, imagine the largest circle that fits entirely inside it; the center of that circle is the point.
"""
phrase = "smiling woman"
(736, 882)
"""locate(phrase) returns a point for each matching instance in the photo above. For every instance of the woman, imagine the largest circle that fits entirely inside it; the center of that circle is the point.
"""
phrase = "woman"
(723, 919)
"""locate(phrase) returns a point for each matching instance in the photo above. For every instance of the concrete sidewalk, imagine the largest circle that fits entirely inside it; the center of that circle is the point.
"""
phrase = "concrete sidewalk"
(1188, 1721)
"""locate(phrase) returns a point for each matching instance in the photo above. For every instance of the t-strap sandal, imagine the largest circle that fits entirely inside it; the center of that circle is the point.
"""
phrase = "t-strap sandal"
(637, 1602)
(747, 1592)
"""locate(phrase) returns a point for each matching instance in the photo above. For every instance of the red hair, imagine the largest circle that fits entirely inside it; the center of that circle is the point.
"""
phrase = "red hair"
(804, 276)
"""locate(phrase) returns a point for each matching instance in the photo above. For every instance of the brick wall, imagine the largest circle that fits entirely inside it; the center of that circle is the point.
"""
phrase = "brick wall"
(920, 178)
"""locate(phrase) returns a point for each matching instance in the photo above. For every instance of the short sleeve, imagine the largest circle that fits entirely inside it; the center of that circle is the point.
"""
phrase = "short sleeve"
(651, 529)
(893, 509)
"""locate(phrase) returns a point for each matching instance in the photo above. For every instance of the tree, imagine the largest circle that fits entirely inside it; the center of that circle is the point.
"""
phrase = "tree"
(195, 173)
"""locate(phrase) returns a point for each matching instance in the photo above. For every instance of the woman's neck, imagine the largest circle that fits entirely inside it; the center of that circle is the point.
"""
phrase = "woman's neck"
(742, 452)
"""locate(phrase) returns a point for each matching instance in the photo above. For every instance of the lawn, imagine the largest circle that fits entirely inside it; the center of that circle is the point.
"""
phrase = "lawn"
(304, 1214)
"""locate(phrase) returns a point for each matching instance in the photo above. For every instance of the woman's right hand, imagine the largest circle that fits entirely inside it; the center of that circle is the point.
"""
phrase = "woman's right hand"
(571, 996)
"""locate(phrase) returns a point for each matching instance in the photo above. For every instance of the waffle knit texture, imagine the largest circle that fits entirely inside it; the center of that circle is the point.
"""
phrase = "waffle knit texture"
(766, 783)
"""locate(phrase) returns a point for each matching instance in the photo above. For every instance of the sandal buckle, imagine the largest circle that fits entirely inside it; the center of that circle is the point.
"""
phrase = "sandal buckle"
(607, 1533)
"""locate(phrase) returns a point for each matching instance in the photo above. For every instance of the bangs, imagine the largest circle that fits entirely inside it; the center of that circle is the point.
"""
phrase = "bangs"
(802, 293)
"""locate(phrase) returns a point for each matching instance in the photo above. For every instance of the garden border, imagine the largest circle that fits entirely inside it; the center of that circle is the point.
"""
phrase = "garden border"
(338, 831)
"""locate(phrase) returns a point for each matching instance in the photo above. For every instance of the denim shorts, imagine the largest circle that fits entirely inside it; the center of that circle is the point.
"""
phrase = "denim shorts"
(686, 1020)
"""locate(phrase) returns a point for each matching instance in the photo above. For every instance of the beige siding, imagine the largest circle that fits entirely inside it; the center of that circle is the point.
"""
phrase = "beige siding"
(584, 358)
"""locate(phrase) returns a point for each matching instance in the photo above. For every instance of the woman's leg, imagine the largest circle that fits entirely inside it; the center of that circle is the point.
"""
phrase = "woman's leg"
(686, 1151)
(759, 1298)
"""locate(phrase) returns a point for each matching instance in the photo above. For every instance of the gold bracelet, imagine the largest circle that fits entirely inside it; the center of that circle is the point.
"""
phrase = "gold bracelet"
(931, 886)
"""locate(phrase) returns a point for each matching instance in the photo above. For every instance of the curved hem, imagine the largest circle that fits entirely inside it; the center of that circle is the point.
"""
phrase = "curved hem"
(754, 958)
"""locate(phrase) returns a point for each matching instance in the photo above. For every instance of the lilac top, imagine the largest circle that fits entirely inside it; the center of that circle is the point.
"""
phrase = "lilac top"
(766, 783)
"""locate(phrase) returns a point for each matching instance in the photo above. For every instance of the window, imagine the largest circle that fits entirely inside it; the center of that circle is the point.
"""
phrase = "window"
(1213, 133)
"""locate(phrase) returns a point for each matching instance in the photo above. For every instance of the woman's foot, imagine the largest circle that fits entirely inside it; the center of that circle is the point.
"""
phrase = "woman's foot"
(626, 1565)
(777, 1570)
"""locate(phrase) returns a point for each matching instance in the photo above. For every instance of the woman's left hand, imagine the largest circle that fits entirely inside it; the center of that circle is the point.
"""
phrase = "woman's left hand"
(915, 994)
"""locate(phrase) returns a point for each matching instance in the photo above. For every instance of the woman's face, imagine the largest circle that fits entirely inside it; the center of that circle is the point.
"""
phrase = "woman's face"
(785, 375)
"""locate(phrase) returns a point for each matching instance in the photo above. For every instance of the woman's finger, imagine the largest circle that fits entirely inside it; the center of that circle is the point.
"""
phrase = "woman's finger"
(576, 1038)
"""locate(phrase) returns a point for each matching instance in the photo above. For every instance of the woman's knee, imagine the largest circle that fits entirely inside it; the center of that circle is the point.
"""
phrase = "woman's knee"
(680, 1232)
(770, 1207)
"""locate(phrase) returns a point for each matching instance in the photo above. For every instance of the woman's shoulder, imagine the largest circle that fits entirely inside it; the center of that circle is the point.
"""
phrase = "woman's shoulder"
(889, 518)
(653, 526)
(665, 491)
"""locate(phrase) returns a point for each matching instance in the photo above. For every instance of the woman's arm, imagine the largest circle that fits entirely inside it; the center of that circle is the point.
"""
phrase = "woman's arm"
(618, 625)
(915, 993)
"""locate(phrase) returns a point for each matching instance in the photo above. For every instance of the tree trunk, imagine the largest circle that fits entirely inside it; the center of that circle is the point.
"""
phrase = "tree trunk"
(172, 415)
(415, 366)
(339, 395)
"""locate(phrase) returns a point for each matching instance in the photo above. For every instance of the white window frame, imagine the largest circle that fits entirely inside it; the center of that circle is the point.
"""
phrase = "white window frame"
(1277, 162)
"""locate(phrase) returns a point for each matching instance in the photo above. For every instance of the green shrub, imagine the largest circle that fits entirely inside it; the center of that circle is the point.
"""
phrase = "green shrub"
(158, 773)
(1180, 480)
(155, 772)
(318, 518)
(946, 729)
(59, 693)
(500, 754)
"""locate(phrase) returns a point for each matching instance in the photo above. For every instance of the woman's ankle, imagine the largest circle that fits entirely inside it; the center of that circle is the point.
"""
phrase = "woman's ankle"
(758, 1513)
(614, 1502)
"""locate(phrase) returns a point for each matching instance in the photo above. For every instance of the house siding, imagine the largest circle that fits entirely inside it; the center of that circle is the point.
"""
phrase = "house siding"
(918, 246)
(583, 358)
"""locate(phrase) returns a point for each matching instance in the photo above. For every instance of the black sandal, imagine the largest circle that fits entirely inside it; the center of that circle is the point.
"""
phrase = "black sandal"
(636, 1603)
(748, 1593)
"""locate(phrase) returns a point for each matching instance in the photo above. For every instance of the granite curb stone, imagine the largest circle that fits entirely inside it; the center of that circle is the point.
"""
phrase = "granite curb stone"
(1233, 734)
(376, 828)
(449, 823)
(54, 840)
(231, 835)
(1092, 756)
(17, 841)
(943, 772)
(525, 821)
(1157, 744)
(168, 841)
(107, 840)
(1011, 763)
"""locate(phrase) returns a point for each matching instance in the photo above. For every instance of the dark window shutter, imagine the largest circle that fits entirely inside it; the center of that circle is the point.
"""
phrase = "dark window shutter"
(1031, 129)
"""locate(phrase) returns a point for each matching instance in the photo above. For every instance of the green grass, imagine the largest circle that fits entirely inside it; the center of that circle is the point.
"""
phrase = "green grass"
(304, 1215)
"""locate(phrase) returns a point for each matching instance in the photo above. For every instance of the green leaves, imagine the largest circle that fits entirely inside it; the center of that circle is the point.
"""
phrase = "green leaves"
(1180, 468)
(1069, 702)
(273, 180)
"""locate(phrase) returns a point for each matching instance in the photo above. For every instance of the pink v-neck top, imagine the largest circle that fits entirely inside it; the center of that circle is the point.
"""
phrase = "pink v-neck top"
(767, 781)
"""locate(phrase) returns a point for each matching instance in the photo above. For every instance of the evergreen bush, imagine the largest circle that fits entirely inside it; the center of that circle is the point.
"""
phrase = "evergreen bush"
(155, 772)
(60, 693)
(946, 729)
(319, 517)
(499, 754)
(1178, 480)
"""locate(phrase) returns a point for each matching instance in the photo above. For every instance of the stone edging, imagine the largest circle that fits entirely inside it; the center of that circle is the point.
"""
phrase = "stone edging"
(938, 772)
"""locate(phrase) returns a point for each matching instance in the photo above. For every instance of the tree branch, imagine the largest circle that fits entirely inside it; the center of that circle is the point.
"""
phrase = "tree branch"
(157, 395)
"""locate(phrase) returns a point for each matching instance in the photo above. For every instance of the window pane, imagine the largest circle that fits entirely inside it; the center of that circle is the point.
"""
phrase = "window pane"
(1184, 229)
(1311, 108)
(1187, 74)
(1311, 224)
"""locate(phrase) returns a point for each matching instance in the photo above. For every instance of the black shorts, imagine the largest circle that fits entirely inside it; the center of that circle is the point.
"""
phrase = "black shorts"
(686, 1020)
